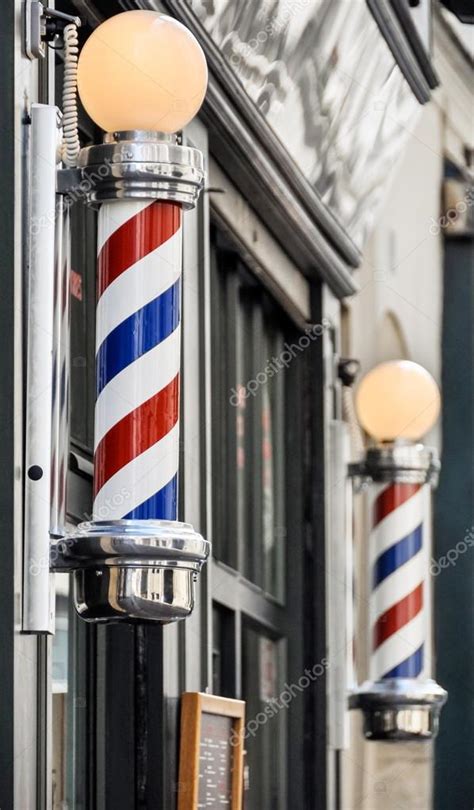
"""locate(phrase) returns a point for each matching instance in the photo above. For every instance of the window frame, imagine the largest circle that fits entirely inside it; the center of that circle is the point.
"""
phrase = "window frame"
(247, 603)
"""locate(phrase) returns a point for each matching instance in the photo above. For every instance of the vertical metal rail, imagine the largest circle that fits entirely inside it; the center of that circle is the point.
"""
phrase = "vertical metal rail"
(38, 605)
(339, 569)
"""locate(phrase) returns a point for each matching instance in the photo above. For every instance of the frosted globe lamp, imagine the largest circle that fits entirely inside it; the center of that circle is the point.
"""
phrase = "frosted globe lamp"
(397, 400)
(141, 70)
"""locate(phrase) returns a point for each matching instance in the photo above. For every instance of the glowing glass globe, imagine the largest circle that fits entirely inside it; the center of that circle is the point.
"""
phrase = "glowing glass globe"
(397, 400)
(142, 70)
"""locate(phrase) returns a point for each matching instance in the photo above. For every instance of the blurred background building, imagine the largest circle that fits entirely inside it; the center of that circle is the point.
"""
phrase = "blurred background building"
(415, 302)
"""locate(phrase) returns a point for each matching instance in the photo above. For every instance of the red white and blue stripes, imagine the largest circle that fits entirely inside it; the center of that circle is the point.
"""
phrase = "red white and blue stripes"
(398, 569)
(137, 361)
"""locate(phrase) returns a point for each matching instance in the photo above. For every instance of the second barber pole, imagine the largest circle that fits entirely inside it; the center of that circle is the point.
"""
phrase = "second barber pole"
(397, 403)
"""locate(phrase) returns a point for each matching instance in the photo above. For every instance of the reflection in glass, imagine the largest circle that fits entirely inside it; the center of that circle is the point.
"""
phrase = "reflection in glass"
(60, 691)
(262, 682)
(249, 436)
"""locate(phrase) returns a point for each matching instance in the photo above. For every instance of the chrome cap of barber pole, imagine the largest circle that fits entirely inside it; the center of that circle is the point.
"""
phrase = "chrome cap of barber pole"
(399, 710)
(127, 570)
(400, 461)
(136, 165)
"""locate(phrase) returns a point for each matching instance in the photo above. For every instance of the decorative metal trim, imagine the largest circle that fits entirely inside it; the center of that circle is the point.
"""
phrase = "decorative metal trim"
(142, 165)
(132, 570)
(130, 543)
(392, 30)
(401, 10)
(402, 463)
(282, 212)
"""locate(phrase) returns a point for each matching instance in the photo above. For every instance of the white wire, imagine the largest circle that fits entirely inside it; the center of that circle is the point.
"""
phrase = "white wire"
(349, 414)
(70, 145)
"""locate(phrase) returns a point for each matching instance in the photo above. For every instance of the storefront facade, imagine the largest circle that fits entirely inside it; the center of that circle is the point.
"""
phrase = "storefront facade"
(308, 108)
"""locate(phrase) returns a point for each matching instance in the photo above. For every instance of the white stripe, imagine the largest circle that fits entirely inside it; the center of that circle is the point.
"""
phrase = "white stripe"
(139, 480)
(113, 215)
(398, 647)
(398, 585)
(136, 383)
(397, 525)
(141, 283)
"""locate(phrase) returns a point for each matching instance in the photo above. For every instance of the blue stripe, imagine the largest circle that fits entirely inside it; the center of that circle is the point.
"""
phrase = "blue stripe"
(409, 668)
(137, 334)
(163, 505)
(397, 555)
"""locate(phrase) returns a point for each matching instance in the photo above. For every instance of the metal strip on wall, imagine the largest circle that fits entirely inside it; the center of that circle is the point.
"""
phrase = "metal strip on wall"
(392, 30)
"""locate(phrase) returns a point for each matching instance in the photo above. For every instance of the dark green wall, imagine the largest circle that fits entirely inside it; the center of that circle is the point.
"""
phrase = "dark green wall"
(454, 530)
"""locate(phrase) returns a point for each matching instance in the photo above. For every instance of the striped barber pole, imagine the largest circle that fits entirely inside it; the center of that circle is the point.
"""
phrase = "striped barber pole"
(398, 558)
(137, 361)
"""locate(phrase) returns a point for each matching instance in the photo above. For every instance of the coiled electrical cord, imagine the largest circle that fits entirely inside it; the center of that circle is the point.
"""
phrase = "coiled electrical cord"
(71, 145)
(349, 415)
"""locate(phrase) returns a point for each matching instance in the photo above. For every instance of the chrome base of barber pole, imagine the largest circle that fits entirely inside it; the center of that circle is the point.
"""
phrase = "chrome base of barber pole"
(132, 570)
(400, 710)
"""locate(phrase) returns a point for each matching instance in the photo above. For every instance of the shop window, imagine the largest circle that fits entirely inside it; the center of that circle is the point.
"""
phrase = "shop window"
(257, 470)
(249, 446)
(262, 679)
(82, 364)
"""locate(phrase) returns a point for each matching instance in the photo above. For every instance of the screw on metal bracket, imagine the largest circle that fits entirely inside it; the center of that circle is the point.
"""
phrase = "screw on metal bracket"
(42, 25)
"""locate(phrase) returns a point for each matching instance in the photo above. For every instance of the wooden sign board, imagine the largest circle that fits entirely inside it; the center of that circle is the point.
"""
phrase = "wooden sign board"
(211, 752)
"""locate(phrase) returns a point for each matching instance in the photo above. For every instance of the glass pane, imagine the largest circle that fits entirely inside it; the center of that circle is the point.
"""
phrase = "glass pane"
(223, 651)
(70, 705)
(249, 439)
(83, 266)
(224, 415)
(60, 691)
(262, 683)
(261, 437)
(273, 467)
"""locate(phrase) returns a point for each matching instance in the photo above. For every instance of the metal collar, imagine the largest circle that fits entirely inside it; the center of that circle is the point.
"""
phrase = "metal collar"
(141, 165)
(398, 462)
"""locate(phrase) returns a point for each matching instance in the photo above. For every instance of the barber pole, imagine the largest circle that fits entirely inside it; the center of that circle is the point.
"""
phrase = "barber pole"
(400, 701)
(137, 361)
(133, 560)
(398, 567)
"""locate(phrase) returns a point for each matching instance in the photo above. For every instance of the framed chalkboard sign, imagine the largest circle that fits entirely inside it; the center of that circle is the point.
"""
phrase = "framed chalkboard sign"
(211, 752)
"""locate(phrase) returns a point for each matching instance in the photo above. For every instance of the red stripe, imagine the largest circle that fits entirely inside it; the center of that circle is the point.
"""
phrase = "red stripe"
(391, 498)
(398, 616)
(136, 238)
(136, 432)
